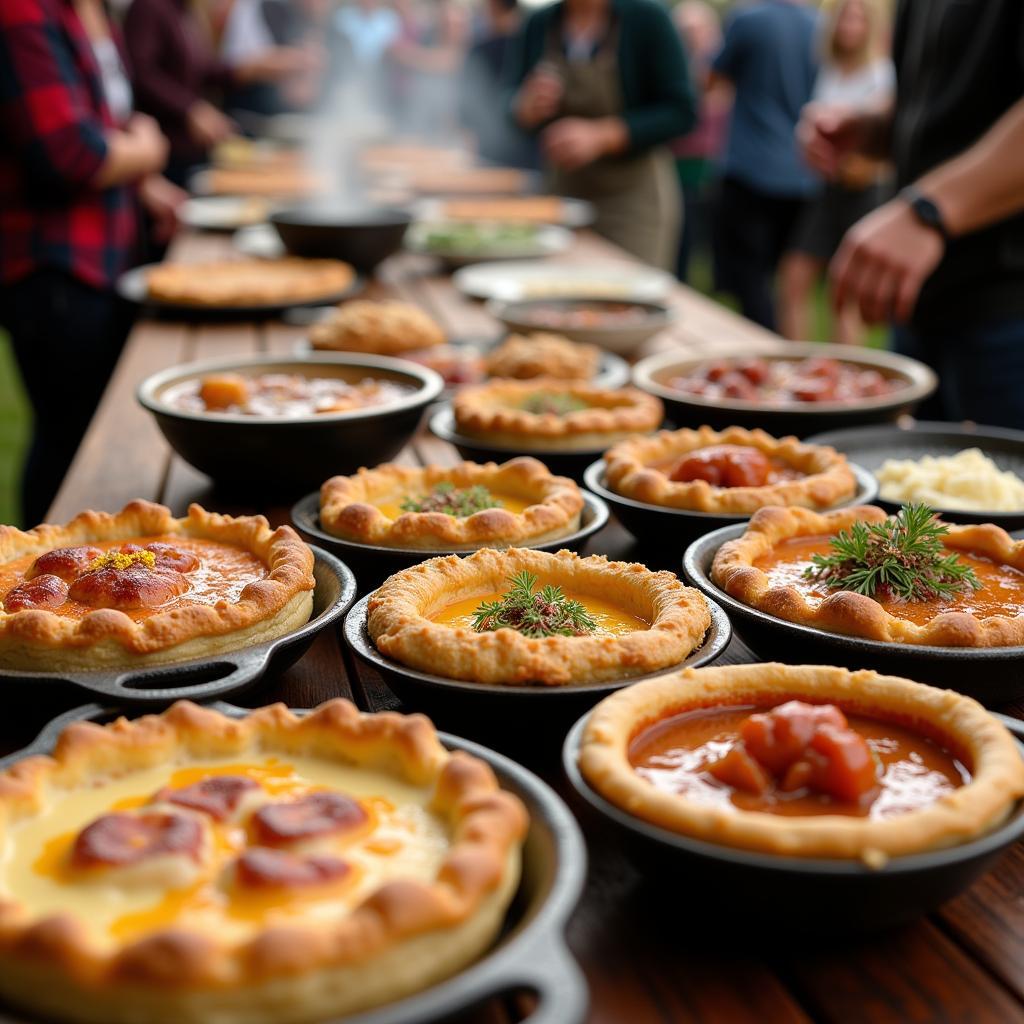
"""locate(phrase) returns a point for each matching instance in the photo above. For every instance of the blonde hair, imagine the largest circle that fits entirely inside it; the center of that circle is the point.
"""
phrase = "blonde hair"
(876, 40)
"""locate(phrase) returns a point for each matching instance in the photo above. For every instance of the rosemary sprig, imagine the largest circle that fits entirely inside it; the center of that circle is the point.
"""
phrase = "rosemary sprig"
(446, 498)
(547, 612)
(902, 556)
(542, 403)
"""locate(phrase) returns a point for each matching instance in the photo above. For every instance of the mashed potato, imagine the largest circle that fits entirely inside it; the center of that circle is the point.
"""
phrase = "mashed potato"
(968, 481)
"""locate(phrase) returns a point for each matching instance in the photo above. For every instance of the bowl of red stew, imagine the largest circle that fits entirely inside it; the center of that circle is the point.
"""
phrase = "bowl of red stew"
(803, 389)
(618, 325)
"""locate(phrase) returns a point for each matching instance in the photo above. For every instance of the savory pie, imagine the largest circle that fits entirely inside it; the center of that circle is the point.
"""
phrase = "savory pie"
(733, 470)
(189, 867)
(525, 209)
(522, 616)
(277, 180)
(469, 505)
(524, 357)
(429, 179)
(140, 588)
(806, 761)
(248, 282)
(556, 415)
(381, 328)
(904, 579)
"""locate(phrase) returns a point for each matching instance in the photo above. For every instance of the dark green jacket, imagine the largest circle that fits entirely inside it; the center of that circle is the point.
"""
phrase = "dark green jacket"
(658, 92)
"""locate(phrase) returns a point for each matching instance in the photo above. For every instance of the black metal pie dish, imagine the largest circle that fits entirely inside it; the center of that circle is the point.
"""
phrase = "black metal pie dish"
(657, 524)
(874, 445)
(992, 675)
(291, 453)
(378, 559)
(813, 895)
(423, 688)
(800, 418)
(531, 952)
(206, 678)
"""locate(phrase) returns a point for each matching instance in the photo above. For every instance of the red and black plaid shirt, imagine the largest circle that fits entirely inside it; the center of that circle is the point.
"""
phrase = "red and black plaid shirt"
(53, 116)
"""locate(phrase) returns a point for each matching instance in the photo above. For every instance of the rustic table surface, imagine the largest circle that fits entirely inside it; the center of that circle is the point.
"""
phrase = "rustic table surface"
(647, 959)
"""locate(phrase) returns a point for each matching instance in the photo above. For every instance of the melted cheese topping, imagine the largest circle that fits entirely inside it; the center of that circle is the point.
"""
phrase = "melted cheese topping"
(391, 506)
(404, 840)
(611, 620)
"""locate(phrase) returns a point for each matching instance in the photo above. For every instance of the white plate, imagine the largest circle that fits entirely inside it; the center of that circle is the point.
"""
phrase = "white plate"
(547, 240)
(260, 241)
(516, 280)
(223, 213)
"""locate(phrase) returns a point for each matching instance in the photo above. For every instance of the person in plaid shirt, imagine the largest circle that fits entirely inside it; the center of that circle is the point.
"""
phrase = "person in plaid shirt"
(74, 164)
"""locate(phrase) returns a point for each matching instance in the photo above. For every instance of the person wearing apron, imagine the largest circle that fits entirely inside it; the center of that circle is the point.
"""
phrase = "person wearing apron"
(604, 103)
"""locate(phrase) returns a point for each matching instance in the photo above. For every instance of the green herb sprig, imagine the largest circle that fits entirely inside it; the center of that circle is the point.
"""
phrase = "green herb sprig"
(902, 556)
(453, 502)
(547, 612)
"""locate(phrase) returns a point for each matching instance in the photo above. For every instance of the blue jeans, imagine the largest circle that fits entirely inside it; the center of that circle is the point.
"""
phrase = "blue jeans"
(980, 368)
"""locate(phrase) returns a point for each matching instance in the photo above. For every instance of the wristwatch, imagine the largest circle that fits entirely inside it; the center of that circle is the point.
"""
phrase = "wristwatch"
(925, 210)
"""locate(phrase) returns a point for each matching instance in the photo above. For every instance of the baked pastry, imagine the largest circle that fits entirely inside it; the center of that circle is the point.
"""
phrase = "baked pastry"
(275, 180)
(140, 588)
(733, 470)
(483, 618)
(805, 761)
(189, 867)
(523, 357)
(382, 328)
(465, 506)
(903, 579)
(248, 282)
(430, 179)
(549, 414)
(525, 209)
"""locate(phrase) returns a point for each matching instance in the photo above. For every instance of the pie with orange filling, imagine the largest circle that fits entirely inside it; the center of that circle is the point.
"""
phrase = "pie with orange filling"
(795, 564)
(142, 588)
(469, 505)
(522, 616)
(189, 867)
(808, 761)
(734, 470)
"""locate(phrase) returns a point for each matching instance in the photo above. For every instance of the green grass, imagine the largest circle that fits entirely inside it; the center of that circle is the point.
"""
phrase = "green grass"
(15, 424)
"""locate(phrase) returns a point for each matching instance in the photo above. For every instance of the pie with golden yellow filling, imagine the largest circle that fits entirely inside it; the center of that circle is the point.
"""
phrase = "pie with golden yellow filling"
(904, 579)
(141, 587)
(522, 616)
(546, 414)
(524, 357)
(733, 470)
(189, 867)
(469, 505)
(381, 328)
(808, 761)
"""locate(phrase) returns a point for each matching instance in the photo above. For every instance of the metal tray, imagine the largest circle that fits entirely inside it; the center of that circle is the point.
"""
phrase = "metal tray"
(205, 678)
(531, 953)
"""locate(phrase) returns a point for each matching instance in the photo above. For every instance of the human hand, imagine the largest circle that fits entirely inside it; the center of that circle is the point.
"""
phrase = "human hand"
(828, 134)
(161, 199)
(207, 125)
(573, 142)
(540, 97)
(883, 261)
(150, 144)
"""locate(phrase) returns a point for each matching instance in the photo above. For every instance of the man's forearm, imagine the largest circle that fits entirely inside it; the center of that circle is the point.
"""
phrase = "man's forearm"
(985, 183)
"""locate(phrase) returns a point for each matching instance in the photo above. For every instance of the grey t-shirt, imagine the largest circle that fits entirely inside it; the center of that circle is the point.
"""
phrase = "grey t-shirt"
(769, 55)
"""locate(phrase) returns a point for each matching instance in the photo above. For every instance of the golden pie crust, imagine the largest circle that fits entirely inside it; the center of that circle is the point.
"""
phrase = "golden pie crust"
(958, 722)
(525, 209)
(248, 282)
(271, 181)
(857, 614)
(380, 328)
(268, 608)
(403, 935)
(493, 412)
(523, 357)
(398, 620)
(631, 469)
(347, 506)
(451, 180)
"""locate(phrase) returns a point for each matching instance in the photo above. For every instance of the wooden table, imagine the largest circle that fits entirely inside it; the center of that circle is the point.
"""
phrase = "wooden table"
(647, 959)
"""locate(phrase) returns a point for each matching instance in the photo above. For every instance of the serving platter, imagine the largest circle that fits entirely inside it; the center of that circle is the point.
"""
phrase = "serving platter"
(514, 280)
(871, 446)
(544, 240)
(224, 213)
(575, 213)
(203, 679)
(531, 952)
(991, 675)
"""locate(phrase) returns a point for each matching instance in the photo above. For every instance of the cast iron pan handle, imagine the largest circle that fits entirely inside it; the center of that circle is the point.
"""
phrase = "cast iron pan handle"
(548, 968)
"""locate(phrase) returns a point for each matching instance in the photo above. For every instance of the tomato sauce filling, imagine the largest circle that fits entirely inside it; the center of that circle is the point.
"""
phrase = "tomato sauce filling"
(729, 465)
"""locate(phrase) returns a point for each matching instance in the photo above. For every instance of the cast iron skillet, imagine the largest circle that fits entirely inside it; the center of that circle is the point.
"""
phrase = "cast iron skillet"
(992, 675)
(656, 524)
(798, 893)
(872, 446)
(530, 953)
(379, 561)
(205, 678)
(422, 688)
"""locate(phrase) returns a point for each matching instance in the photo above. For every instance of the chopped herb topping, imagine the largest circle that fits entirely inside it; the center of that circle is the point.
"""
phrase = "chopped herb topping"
(543, 403)
(902, 557)
(122, 560)
(547, 612)
(445, 497)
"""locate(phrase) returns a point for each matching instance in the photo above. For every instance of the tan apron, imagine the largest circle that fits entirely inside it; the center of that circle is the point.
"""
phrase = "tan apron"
(637, 195)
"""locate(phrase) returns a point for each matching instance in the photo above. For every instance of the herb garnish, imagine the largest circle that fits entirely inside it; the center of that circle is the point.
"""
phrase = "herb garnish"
(542, 403)
(445, 498)
(903, 557)
(547, 612)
